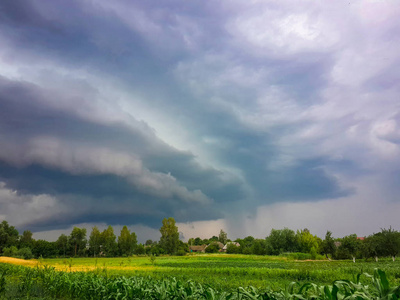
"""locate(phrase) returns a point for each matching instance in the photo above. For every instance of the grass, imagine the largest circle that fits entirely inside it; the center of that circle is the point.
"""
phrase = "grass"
(45, 282)
(227, 272)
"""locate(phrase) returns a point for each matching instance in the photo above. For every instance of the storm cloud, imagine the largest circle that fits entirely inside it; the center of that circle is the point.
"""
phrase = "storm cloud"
(212, 113)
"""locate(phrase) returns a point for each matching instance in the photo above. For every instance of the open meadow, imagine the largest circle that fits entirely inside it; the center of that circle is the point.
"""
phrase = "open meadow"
(220, 272)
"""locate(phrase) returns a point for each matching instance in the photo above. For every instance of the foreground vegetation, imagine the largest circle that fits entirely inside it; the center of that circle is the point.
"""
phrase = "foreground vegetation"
(46, 282)
(229, 271)
(223, 272)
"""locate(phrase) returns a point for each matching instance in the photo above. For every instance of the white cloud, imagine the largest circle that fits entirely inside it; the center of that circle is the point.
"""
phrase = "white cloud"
(20, 209)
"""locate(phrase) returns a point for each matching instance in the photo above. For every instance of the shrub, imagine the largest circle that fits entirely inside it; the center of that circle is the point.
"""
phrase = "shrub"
(232, 249)
(213, 248)
(313, 253)
(181, 252)
(10, 251)
(140, 249)
(25, 253)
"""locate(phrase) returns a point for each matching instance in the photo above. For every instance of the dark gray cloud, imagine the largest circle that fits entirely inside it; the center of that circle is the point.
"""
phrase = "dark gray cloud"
(131, 112)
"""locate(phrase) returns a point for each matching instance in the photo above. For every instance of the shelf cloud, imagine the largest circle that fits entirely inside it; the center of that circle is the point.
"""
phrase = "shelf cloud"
(215, 114)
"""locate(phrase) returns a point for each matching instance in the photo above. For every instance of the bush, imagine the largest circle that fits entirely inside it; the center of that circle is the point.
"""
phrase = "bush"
(140, 249)
(25, 253)
(181, 252)
(213, 248)
(247, 250)
(232, 249)
(313, 253)
(10, 251)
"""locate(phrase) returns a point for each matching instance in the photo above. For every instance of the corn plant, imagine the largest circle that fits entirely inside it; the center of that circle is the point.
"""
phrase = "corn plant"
(3, 274)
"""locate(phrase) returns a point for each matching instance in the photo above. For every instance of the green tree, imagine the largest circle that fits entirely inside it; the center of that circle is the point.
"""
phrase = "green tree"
(127, 242)
(26, 239)
(183, 248)
(232, 248)
(373, 246)
(307, 241)
(281, 240)
(25, 253)
(8, 235)
(110, 246)
(10, 251)
(246, 244)
(95, 241)
(150, 243)
(44, 248)
(62, 244)
(391, 242)
(223, 237)
(169, 236)
(259, 247)
(198, 241)
(349, 247)
(328, 245)
(140, 250)
(78, 240)
(212, 248)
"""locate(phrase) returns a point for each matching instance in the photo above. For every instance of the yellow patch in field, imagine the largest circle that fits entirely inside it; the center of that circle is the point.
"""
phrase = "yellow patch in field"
(74, 268)
(86, 268)
(17, 261)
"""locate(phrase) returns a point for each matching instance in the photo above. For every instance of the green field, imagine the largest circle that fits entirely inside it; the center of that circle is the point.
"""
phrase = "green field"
(226, 271)
(175, 277)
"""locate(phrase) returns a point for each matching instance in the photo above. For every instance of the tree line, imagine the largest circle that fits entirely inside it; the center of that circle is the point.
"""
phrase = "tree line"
(299, 245)
(77, 244)
(303, 245)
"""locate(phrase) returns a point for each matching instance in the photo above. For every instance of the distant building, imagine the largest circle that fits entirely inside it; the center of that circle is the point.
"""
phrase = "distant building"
(201, 249)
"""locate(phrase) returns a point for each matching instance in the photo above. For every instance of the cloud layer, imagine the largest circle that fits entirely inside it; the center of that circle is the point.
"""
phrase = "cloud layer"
(126, 113)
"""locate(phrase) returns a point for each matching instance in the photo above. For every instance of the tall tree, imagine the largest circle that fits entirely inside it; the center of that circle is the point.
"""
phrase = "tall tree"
(78, 240)
(26, 239)
(391, 242)
(198, 241)
(8, 235)
(373, 246)
(62, 244)
(223, 237)
(349, 246)
(95, 240)
(307, 242)
(43, 248)
(110, 246)
(127, 242)
(259, 247)
(169, 236)
(281, 240)
(328, 244)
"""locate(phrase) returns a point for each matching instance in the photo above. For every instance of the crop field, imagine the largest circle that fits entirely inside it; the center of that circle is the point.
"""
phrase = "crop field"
(219, 273)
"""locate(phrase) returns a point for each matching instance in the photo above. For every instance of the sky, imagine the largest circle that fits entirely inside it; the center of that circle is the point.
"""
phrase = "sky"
(235, 115)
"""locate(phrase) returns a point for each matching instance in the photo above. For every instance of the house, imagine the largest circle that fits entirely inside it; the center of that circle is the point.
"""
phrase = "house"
(201, 249)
